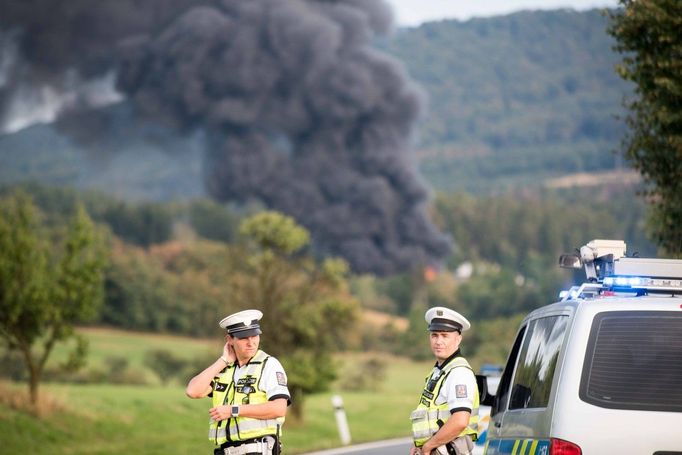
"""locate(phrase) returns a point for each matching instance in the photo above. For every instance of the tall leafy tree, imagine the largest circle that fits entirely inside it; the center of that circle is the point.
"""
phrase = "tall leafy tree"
(44, 289)
(307, 306)
(649, 34)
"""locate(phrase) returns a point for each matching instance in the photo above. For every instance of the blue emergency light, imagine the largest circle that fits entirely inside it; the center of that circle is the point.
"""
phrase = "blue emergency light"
(643, 283)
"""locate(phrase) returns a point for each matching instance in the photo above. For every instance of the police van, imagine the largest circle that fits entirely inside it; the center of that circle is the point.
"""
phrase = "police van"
(600, 371)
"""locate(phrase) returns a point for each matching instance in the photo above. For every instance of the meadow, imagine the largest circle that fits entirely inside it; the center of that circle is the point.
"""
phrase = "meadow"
(159, 419)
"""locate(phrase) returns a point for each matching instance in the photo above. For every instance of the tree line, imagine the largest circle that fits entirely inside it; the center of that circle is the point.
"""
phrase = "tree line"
(175, 267)
(168, 261)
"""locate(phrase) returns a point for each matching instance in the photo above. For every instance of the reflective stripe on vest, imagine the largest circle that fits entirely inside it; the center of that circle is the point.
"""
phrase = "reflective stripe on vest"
(429, 417)
(247, 390)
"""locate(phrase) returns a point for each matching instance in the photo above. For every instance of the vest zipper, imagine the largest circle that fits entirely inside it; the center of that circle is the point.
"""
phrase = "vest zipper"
(227, 396)
(227, 426)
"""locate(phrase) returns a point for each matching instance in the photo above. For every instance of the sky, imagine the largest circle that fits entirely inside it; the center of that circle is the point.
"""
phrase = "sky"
(410, 13)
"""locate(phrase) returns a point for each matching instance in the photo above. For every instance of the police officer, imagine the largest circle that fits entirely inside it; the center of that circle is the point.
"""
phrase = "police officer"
(446, 419)
(248, 388)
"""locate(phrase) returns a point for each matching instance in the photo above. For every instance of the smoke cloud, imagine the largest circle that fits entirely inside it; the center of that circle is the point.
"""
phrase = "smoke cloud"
(298, 109)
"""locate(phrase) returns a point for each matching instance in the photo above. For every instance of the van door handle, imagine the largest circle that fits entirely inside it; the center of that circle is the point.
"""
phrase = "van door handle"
(497, 424)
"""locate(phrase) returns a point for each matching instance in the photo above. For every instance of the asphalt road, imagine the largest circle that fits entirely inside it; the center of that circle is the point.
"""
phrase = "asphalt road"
(390, 447)
(402, 446)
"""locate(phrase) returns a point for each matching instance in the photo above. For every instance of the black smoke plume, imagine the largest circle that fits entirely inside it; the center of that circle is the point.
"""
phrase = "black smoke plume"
(299, 110)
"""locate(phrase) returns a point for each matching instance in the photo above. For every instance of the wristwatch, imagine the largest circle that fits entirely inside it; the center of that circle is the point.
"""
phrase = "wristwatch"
(235, 411)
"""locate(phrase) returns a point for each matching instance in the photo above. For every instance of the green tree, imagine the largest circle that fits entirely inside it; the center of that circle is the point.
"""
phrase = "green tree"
(649, 34)
(143, 224)
(415, 342)
(166, 364)
(212, 220)
(44, 291)
(307, 304)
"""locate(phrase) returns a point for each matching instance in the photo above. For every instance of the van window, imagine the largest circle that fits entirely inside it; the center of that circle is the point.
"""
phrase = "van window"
(502, 393)
(537, 362)
(634, 361)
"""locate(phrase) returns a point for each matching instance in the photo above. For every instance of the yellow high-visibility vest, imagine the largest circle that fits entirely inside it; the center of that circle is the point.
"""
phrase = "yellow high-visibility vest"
(245, 391)
(429, 417)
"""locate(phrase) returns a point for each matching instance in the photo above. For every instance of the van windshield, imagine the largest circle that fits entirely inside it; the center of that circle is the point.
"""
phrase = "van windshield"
(634, 361)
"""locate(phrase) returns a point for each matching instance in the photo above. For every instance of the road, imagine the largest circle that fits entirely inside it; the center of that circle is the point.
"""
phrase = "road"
(402, 446)
(389, 447)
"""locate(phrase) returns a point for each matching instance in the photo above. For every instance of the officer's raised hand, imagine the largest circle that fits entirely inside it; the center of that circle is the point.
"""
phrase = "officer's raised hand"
(228, 351)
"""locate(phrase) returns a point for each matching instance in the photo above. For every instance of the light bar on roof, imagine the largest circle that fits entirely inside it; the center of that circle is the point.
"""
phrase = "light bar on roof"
(640, 282)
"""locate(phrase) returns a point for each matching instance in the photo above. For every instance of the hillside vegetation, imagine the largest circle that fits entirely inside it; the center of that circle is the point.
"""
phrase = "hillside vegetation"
(514, 98)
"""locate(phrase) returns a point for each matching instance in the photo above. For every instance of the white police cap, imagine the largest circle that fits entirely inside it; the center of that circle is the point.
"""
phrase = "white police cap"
(242, 324)
(441, 319)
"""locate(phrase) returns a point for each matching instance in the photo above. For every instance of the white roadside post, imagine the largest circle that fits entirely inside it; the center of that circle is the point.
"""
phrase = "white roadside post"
(341, 420)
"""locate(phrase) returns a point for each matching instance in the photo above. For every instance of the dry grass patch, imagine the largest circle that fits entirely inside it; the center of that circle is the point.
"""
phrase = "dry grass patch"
(19, 400)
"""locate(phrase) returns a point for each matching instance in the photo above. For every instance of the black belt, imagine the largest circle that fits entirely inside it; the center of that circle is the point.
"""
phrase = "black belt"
(246, 441)
(256, 450)
(220, 451)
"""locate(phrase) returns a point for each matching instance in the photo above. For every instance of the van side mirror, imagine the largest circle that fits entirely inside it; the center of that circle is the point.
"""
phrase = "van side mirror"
(570, 261)
(484, 396)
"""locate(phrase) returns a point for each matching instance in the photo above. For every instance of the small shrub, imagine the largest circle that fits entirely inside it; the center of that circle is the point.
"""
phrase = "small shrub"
(120, 372)
(367, 377)
(19, 400)
(165, 364)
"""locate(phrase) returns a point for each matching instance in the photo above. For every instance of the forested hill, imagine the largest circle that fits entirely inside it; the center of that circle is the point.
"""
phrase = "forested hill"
(515, 97)
(513, 100)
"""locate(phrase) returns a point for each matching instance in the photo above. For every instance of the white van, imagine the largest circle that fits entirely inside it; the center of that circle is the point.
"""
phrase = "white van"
(599, 372)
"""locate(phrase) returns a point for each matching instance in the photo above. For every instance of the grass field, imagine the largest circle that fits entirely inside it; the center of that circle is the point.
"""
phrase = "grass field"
(155, 419)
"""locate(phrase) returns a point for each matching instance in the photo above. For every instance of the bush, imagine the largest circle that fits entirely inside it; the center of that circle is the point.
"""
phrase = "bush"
(366, 377)
(386, 339)
(165, 364)
(120, 372)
